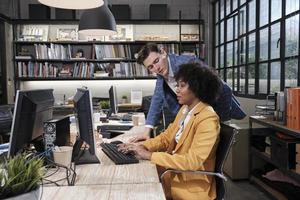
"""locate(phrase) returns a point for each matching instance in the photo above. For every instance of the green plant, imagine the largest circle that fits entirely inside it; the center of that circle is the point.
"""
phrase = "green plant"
(19, 175)
(104, 104)
(124, 97)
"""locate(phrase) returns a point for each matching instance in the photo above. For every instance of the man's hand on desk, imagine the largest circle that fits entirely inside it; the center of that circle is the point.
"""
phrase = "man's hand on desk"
(139, 151)
(144, 136)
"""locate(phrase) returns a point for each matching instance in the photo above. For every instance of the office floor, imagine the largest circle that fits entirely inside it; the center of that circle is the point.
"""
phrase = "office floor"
(244, 190)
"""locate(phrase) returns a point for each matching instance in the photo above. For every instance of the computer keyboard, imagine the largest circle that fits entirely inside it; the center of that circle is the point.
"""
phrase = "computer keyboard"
(108, 127)
(119, 158)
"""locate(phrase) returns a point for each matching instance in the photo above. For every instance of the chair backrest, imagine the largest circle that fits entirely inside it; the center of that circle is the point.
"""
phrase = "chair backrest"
(226, 139)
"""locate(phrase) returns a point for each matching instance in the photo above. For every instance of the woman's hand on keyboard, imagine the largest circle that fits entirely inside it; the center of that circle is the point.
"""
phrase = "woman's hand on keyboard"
(139, 150)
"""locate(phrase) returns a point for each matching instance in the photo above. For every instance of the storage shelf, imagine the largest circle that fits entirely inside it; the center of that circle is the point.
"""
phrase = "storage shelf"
(87, 79)
(76, 60)
(277, 126)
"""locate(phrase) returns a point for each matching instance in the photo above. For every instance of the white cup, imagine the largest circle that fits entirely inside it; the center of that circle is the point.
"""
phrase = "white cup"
(63, 155)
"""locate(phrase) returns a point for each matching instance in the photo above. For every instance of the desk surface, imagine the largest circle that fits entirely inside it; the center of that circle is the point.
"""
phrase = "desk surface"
(107, 180)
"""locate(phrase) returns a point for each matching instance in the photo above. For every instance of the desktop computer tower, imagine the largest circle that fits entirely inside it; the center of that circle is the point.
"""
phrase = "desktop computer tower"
(56, 133)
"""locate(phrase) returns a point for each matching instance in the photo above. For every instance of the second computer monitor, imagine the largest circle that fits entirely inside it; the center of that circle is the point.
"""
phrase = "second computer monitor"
(32, 109)
(113, 100)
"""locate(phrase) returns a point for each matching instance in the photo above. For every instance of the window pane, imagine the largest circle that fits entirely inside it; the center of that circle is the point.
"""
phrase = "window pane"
(242, 50)
(275, 43)
(229, 57)
(275, 77)
(275, 10)
(292, 36)
(242, 75)
(221, 56)
(230, 29)
(217, 58)
(222, 32)
(228, 6)
(263, 78)
(235, 80)
(217, 35)
(229, 77)
(252, 15)
(291, 6)
(264, 12)
(251, 79)
(236, 54)
(234, 4)
(221, 74)
(222, 9)
(242, 2)
(251, 50)
(291, 72)
(235, 27)
(263, 44)
(217, 11)
(242, 18)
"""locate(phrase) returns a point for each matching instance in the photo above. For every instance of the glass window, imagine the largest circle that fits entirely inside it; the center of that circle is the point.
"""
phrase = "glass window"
(263, 44)
(229, 57)
(275, 77)
(242, 18)
(221, 74)
(229, 76)
(236, 53)
(251, 50)
(234, 4)
(235, 34)
(242, 50)
(242, 76)
(222, 32)
(230, 29)
(291, 6)
(275, 41)
(221, 56)
(292, 36)
(264, 12)
(221, 9)
(291, 73)
(263, 78)
(242, 2)
(252, 15)
(251, 79)
(217, 35)
(235, 80)
(275, 10)
(217, 11)
(228, 6)
(217, 58)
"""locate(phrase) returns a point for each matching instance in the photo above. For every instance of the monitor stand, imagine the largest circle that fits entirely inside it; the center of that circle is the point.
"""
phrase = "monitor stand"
(82, 156)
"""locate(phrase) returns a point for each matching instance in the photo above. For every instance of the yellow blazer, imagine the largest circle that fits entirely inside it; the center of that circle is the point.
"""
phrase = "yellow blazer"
(195, 150)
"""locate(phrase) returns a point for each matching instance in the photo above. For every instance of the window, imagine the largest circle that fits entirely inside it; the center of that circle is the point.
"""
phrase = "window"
(260, 46)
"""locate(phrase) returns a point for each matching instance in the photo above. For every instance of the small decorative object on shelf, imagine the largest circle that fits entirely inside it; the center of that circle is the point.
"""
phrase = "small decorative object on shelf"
(124, 99)
(67, 34)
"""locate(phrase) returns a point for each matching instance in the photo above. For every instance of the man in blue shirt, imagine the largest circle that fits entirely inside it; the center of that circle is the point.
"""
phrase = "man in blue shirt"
(165, 66)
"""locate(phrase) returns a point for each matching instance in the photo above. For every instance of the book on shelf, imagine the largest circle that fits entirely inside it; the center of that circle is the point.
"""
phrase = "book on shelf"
(29, 57)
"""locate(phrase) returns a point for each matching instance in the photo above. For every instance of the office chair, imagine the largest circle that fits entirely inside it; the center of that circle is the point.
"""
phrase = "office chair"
(226, 140)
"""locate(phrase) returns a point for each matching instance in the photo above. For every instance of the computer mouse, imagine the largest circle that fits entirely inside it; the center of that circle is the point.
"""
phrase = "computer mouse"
(116, 142)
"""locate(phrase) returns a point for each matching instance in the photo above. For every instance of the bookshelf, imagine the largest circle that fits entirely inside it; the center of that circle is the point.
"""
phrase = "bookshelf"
(52, 50)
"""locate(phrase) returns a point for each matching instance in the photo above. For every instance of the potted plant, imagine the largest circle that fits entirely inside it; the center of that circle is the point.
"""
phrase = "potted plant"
(20, 178)
(124, 99)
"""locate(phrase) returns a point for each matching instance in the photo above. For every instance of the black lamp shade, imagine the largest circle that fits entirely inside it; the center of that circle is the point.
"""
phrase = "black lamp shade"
(97, 22)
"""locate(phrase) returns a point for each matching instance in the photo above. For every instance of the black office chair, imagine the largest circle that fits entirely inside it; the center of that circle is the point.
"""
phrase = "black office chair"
(226, 140)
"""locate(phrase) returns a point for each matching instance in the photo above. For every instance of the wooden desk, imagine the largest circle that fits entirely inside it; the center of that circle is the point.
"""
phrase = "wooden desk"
(109, 181)
(151, 191)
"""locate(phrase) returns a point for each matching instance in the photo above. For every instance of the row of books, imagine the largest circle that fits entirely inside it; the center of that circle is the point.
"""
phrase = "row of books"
(111, 51)
(293, 108)
(79, 70)
(55, 51)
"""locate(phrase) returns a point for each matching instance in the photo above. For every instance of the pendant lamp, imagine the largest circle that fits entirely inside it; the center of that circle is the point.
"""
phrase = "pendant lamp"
(73, 4)
(97, 22)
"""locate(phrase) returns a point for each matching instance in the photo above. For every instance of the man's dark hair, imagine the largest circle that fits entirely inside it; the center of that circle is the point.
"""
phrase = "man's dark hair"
(145, 51)
(203, 81)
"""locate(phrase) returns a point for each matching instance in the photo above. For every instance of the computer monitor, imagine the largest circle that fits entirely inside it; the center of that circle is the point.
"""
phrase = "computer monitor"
(32, 109)
(83, 109)
(113, 100)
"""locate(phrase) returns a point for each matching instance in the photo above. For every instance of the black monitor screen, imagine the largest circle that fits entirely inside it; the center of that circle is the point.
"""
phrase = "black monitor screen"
(83, 110)
(32, 109)
(113, 100)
